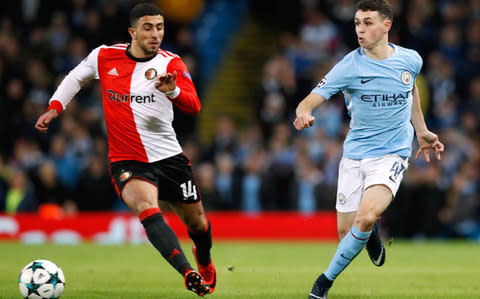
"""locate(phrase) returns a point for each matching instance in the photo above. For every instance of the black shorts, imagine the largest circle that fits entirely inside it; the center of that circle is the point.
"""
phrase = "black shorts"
(173, 177)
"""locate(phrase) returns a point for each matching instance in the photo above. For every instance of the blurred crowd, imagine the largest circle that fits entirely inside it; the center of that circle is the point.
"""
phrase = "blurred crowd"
(261, 166)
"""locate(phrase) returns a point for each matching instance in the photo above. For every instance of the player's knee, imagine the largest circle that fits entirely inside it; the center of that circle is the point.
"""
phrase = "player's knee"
(365, 221)
(138, 206)
(196, 224)
(342, 232)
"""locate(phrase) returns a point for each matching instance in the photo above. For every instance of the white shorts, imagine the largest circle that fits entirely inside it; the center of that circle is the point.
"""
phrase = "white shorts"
(354, 176)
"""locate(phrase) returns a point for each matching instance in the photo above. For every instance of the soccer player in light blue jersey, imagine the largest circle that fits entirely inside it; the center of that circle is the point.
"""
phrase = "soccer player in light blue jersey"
(378, 83)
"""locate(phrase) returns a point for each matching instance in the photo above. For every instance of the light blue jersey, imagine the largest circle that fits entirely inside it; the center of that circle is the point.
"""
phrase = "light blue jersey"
(378, 96)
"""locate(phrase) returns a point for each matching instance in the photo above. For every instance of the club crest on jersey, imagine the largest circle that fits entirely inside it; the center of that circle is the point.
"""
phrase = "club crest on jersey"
(341, 198)
(151, 74)
(406, 77)
(322, 82)
(125, 175)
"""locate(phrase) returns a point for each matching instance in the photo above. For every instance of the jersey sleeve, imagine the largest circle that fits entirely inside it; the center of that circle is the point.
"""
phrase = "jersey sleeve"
(335, 80)
(72, 83)
(187, 100)
(417, 63)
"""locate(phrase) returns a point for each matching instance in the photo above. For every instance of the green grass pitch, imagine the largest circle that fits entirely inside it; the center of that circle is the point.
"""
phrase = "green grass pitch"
(261, 270)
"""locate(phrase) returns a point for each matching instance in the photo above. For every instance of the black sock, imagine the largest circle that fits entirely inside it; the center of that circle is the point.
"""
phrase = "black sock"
(203, 242)
(324, 281)
(164, 239)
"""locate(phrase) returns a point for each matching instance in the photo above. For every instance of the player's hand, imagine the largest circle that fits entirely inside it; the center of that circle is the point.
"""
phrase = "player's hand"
(429, 141)
(303, 121)
(166, 82)
(45, 119)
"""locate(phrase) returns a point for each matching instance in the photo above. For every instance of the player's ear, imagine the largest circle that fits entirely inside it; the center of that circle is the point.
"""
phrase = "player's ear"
(388, 25)
(132, 32)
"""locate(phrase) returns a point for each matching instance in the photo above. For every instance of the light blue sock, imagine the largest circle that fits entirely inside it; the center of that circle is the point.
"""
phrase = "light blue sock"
(347, 250)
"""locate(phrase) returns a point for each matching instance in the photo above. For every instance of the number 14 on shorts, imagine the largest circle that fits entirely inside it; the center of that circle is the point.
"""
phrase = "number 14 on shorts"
(189, 190)
(397, 168)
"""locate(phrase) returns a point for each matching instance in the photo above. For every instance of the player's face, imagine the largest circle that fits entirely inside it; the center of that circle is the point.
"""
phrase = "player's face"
(371, 28)
(148, 34)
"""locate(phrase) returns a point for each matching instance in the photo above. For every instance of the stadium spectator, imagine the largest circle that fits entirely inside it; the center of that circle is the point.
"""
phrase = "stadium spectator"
(249, 139)
(205, 174)
(13, 100)
(94, 191)
(3, 185)
(20, 195)
(250, 178)
(66, 163)
(278, 179)
(319, 35)
(224, 181)
(225, 139)
(308, 176)
(51, 193)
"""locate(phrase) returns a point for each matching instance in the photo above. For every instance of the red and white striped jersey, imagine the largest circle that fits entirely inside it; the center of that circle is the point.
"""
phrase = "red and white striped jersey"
(138, 116)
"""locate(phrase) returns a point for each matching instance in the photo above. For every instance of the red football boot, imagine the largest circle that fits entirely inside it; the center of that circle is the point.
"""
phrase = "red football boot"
(195, 283)
(208, 272)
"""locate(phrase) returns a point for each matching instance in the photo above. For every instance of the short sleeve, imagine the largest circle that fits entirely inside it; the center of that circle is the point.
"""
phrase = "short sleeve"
(416, 62)
(335, 81)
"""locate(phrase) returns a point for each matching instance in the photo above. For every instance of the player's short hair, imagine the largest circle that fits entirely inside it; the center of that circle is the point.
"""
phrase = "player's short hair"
(382, 6)
(143, 9)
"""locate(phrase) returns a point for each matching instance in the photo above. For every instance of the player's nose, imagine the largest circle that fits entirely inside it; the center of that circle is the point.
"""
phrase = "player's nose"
(155, 33)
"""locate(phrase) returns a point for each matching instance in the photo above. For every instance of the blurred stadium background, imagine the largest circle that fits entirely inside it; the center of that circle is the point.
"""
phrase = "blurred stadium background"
(252, 62)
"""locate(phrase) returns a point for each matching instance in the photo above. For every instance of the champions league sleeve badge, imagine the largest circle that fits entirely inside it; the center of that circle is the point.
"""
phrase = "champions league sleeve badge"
(322, 82)
(186, 75)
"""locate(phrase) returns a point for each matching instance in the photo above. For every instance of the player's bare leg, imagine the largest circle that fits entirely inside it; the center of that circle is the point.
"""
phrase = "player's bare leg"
(344, 223)
(375, 247)
(142, 197)
(200, 231)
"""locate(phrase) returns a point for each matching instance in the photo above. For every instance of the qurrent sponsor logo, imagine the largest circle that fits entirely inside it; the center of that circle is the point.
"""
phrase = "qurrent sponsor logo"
(129, 98)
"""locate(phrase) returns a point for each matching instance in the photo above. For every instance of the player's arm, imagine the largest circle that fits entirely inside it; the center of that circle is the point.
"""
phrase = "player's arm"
(426, 140)
(177, 85)
(67, 89)
(304, 117)
(56, 106)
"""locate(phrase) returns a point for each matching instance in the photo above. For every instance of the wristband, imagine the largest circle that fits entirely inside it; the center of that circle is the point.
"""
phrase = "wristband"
(55, 104)
(174, 93)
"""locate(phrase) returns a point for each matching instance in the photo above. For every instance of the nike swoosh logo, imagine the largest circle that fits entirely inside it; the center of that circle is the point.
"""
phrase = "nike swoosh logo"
(346, 257)
(377, 261)
(363, 81)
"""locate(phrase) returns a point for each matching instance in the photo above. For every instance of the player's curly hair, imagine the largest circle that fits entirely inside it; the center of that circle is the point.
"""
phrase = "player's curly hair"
(143, 9)
(382, 6)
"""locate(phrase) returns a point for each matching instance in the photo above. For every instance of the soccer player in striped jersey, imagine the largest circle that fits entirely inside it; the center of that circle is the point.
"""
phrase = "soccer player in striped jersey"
(378, 83)
(140, 84)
